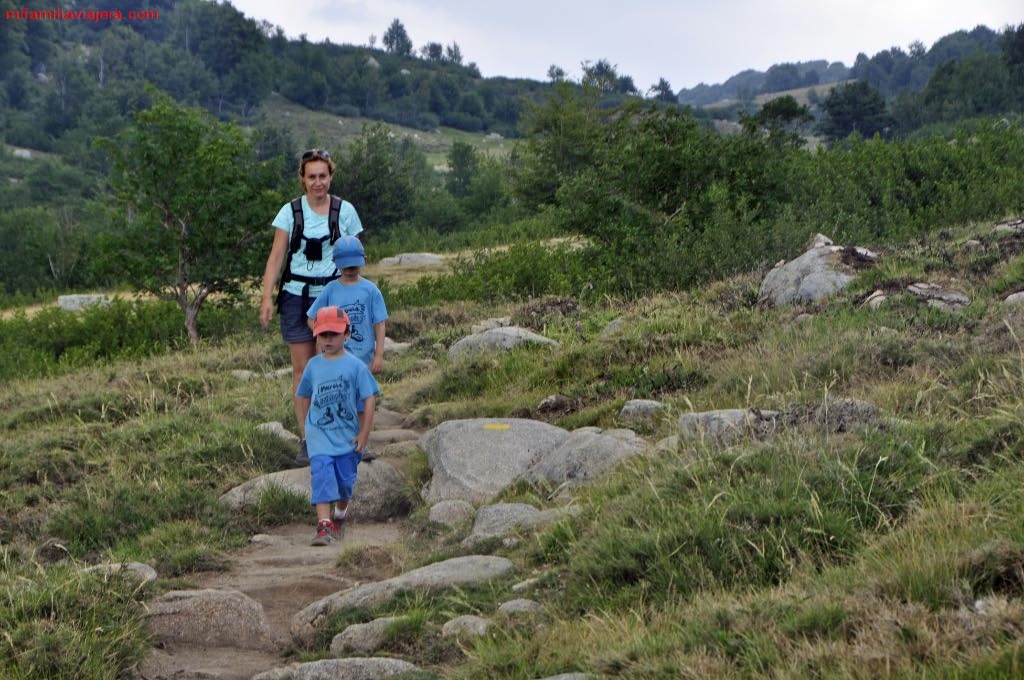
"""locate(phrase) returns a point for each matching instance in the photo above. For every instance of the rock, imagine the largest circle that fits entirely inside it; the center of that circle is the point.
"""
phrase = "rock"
(645, 412)
(612, 328)
(468, 570)
(453, 513)
(379, 492)
(939, 296)
(1013, 226)
(488, 324)
(528, 584)
(496, 340)
(362, 638)
(392, 347)
(556, 403)
(352, 668)
(77, 303)
(726, 427)
(383, 437)
(466, 626)
(474, 460)
(519, 607)
(585, 454)
(137, 571)
(278, 429)
(413, 260)
(214, 618)
(846, 415)
(497, 520)
(875, 300)
(819, 272)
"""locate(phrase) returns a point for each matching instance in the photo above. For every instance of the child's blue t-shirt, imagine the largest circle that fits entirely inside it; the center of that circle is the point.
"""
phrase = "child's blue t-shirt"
(364, 304)
(315, 226)
(337, 389)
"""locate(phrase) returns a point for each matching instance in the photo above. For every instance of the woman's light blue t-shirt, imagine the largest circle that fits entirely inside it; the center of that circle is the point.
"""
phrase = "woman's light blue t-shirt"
(315, 226)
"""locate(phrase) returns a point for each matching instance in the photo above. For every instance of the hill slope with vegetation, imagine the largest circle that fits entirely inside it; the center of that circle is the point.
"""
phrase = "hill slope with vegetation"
(886, 547)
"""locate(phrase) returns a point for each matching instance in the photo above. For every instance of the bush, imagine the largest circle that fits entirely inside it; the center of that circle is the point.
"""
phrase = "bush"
(54, 341)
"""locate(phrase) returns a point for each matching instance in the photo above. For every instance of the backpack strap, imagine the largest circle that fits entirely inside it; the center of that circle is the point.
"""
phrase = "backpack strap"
(297, 227)
(333, 218)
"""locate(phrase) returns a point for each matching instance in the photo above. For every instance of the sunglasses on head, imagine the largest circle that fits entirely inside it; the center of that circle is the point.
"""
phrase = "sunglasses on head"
(316, 153)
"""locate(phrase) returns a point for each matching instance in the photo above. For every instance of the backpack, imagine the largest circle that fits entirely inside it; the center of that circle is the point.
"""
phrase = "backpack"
(314, 245)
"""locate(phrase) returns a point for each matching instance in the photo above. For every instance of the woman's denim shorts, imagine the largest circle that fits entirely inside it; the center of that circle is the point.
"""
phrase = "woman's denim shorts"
(292, 313)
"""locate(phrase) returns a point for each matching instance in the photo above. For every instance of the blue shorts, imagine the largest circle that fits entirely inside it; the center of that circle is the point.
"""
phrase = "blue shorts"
(294, 322)
(333, 477)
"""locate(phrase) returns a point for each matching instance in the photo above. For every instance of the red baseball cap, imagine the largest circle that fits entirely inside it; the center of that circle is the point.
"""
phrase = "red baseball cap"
(330, 320)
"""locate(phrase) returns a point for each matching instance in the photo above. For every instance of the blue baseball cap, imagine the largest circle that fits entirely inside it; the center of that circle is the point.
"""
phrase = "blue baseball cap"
(348, 252)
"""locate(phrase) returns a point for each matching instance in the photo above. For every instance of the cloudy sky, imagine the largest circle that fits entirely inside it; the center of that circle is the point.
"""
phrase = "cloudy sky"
(684, 41)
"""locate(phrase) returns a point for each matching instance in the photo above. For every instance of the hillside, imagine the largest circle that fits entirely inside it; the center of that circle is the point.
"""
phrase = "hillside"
(309, 128)
(884, 546)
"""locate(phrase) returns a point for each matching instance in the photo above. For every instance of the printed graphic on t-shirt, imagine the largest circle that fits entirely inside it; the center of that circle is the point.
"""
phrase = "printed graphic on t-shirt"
(357, 316)
(332, 401)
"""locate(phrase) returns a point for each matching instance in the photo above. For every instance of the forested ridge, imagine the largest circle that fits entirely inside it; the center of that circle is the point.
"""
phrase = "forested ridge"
(72, 92)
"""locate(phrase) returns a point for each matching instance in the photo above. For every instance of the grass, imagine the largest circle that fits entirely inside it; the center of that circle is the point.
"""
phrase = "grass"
(890, 548)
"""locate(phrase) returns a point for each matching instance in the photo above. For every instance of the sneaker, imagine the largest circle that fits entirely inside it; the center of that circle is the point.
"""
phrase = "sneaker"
(338, 528)
(302, 457)
(324, 530)
(367, 456)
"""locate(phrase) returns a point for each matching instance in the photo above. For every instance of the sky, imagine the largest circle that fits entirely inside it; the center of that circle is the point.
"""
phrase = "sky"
(686, 42)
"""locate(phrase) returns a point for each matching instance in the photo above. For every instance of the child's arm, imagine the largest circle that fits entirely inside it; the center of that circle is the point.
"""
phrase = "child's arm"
(377, 364)
(365, 423)
(301, 409)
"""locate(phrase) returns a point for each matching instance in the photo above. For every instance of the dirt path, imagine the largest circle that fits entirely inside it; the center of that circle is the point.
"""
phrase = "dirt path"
(284, 573)
(281, 571)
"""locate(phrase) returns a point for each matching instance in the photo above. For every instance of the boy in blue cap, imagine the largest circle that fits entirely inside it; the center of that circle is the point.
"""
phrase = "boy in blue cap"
(361, 300)
(336, 398)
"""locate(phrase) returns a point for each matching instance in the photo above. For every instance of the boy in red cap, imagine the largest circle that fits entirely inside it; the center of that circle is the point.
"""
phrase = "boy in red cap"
(336, 398)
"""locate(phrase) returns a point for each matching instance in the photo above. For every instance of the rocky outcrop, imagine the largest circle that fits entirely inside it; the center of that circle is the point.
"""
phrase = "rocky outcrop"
(822, 270)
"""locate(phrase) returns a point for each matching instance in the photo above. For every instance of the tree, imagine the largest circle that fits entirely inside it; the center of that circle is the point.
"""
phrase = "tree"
(556, 74)
(854, 107)
(375, 180)
(602, 75)
(1012, 45)
(432, 51)
(192, 201)
(396, 40)
(562, 137)
(662, 91)
(453, 54)
(781, 118)
(463, 166)
(781, 77)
